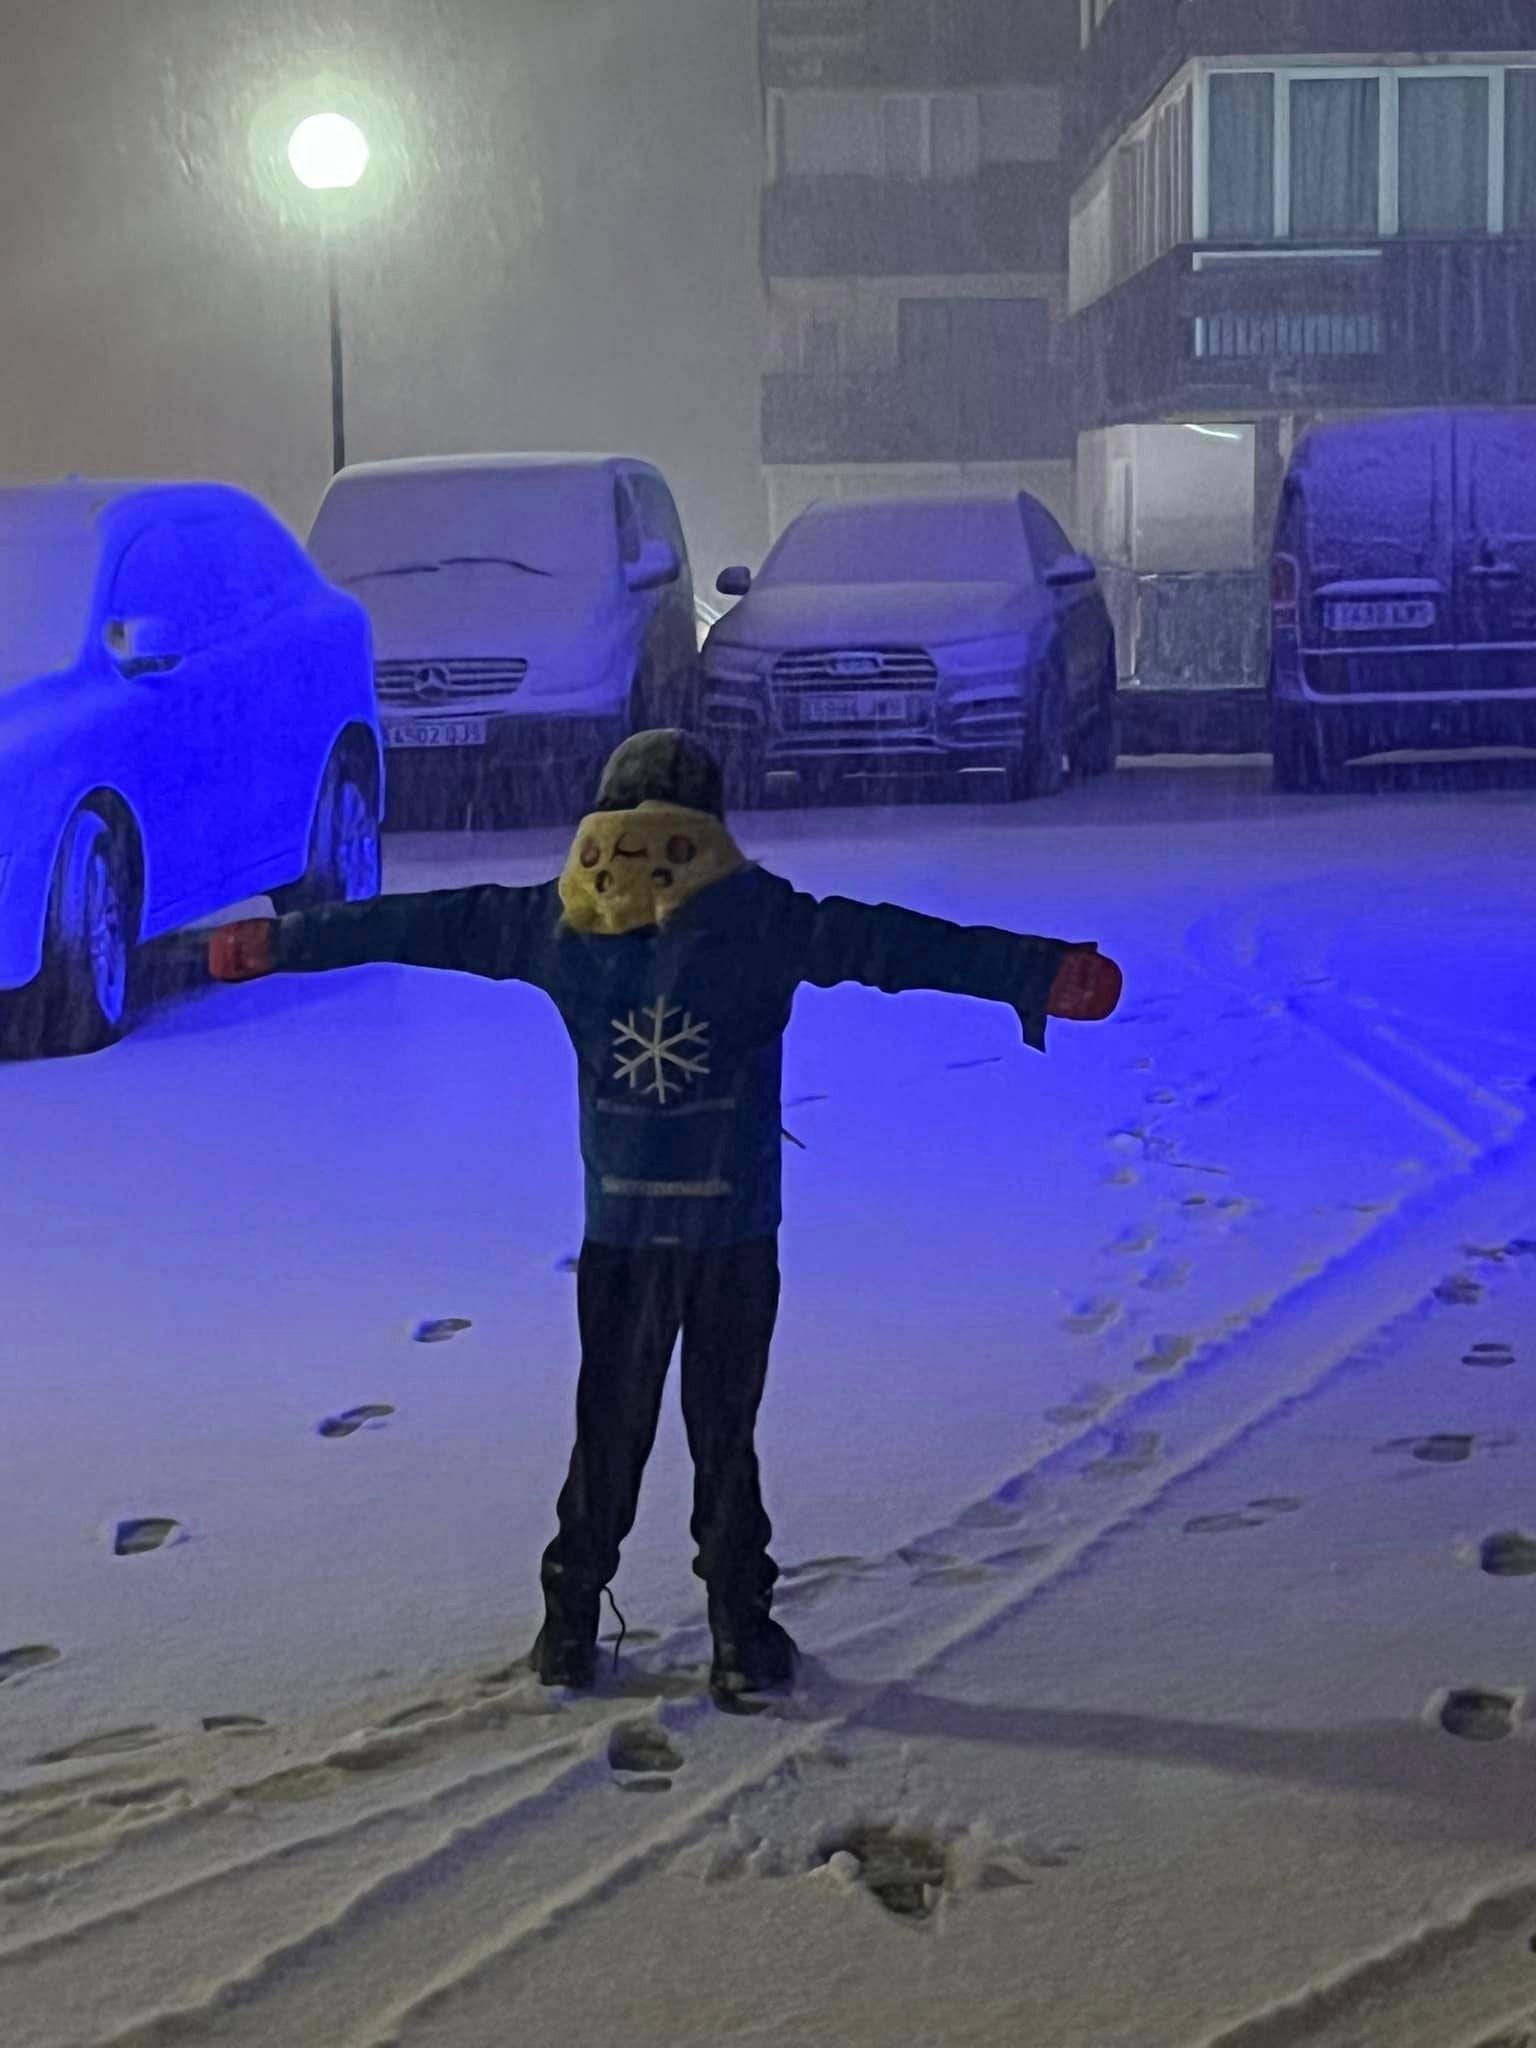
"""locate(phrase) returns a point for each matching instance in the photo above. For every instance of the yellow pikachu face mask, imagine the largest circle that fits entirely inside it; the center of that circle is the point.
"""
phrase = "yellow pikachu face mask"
(631, 870)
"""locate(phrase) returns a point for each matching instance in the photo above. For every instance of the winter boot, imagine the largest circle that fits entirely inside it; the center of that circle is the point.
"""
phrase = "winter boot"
(753, 1652)
(565, 1652)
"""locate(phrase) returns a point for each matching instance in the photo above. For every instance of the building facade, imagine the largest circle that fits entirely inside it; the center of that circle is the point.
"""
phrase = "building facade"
(1279, 213)
(914, 243)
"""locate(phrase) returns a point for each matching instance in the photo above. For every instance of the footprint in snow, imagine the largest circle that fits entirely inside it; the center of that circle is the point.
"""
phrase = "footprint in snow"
(1459, 1291)
(1091, 1317)
(1131, 1242)
(234, 1725)
(641, 1749)
(1166, 1277)
(1021, 1554)
(27, 1657)
(1478, 1716)
(1493, 1355)
(142, 1534)
(1254, 1516)
(354, 1419)
(1130, 1451)
(441, 1331)
(115, 1742)
(1446, 1447)
(1168, 1353)
(825, 1564)
(1508, 1555)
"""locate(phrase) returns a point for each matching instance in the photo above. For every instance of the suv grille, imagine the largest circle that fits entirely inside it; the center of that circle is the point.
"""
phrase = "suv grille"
(857, 668)
(441, 682)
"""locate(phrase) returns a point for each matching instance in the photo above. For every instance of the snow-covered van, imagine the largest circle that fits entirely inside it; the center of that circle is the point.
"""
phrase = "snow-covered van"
(1403, 591)
(528, 612)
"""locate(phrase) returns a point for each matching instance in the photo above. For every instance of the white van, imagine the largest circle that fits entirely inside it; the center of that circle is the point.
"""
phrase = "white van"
(529, 611)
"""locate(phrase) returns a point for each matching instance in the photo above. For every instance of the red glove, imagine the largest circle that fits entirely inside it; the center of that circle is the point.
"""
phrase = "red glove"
(1087, 987)
(242, 952)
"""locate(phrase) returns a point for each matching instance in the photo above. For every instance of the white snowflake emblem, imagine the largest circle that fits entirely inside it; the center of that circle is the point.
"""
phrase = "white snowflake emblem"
(665, 1058)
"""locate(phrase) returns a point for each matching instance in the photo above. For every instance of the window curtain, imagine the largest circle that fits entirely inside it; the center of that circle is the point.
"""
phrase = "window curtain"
(1242, 165)
(1520, 153)
(1443, 156)
(1335, 157)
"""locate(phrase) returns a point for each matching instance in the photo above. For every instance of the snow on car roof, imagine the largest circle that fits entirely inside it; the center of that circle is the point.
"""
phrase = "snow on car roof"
(74, 503)
(485, 465)
(851, 508)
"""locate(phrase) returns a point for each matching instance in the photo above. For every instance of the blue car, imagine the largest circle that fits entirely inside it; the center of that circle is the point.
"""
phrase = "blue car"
(186, 720)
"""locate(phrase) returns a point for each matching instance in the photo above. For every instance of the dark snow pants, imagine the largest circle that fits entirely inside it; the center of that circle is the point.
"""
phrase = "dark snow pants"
(632, 1304)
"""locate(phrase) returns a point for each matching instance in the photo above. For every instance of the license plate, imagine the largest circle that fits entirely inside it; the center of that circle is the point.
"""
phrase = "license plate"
(1380, 615)
(856, 707)
(436, 732)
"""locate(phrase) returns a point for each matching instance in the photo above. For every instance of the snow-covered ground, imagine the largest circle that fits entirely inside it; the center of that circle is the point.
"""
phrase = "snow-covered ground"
(1138, 1422)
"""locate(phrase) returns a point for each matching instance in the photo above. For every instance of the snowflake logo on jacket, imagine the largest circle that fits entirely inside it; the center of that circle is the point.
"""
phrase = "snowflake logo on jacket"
(657, 1055)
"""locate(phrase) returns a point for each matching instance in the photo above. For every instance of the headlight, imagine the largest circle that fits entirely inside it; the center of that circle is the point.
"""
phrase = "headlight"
(1001, 654)
(727, 664)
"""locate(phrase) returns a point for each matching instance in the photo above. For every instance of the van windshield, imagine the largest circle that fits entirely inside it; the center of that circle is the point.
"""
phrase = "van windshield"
(516, 522)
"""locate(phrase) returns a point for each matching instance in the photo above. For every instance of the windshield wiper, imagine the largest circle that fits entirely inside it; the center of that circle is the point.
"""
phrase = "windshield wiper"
(405, 569)
(493, 561)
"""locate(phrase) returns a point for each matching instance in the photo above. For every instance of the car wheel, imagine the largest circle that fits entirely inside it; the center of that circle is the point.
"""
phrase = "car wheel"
(744, 768)
(345, 865)
(1306, 762)
(79, 1002)
(1100, 747)
(1041, 770)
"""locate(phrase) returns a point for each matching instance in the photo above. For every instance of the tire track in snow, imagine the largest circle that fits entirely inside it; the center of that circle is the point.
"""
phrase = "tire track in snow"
(1146, 1487)
(464, 1886)
(1428, 1990)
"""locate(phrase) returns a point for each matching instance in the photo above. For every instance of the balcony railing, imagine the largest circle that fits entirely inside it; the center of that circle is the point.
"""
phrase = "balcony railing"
(1401, 323)
(925, 44)
(1011, 218)
(1021, 415)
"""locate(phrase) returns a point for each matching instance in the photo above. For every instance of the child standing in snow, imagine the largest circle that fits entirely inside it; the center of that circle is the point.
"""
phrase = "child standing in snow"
(674, 962)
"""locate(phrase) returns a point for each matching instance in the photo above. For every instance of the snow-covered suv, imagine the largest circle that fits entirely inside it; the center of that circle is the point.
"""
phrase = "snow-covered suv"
(921, 636)
(528, 612)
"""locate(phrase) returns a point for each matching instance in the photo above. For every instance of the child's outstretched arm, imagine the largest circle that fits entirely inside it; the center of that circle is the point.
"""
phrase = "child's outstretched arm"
(892, 949)
(505, 934)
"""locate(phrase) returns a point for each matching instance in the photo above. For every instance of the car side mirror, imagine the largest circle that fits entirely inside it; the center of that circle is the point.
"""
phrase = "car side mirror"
(145, 646)
(658, 565)
(1069, 571)
(734, 582)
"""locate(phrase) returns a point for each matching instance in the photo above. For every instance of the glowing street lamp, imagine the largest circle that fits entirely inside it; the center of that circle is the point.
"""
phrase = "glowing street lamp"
(329, 153)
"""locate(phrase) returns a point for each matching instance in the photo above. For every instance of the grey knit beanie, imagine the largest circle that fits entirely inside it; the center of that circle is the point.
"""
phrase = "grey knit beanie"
(667, 767)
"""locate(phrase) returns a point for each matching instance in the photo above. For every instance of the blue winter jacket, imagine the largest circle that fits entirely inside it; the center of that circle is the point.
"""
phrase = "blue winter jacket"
(678, 1029)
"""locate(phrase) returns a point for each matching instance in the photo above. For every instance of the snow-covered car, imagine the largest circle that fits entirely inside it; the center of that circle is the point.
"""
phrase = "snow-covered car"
(932, 635)
(529, 611)
(186, 720)
(1403, 591)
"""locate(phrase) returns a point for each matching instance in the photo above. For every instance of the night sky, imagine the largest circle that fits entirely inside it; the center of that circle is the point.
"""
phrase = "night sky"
(557, 247)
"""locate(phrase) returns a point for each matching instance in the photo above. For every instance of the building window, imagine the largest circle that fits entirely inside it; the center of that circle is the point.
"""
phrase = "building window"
(1242, 155)
(1335, 148)
(1345, 155)
(1520, 152)
(935, 135)
(1443, 167)
(956, 136)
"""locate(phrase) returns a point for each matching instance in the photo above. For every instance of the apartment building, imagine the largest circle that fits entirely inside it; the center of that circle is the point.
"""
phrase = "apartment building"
(1280, 213)
(914, 241)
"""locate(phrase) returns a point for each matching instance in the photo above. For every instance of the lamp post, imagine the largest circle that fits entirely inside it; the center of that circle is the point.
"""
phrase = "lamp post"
(329, 153)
